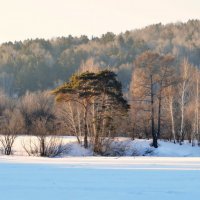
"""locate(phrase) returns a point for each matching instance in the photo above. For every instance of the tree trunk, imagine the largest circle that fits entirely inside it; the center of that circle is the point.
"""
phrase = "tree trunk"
(172, 118)
(197, 109)
(85, 128)
(74, 123)
(182, 113)
(42, 143)
(154, 136)
(159, 113)
(94, 123)
(79, 125)
(8, 150)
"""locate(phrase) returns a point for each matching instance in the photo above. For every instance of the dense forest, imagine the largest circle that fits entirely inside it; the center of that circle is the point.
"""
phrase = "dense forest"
(41, 64)
(139, 84)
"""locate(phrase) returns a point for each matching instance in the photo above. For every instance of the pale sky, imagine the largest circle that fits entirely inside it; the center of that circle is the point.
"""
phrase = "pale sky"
(23, 19)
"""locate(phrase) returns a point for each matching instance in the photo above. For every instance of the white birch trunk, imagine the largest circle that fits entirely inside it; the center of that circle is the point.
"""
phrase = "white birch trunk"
(172, 118)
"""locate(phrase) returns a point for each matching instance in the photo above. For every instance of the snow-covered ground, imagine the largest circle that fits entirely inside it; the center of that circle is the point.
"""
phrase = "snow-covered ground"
(89, 178)
(125, 146)
(169, 172)
(170, 149)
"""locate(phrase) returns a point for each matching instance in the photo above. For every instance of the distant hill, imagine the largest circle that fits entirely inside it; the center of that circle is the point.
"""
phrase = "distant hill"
(41, 64)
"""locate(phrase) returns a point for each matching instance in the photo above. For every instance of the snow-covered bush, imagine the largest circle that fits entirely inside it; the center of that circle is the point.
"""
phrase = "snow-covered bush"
(75, 149)
(128, 148)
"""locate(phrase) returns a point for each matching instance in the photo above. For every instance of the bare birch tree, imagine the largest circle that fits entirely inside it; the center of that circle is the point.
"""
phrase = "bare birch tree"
(184, 88)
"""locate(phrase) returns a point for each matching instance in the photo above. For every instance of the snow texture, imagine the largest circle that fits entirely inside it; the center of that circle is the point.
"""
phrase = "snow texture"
(139, 172)
(89, 178)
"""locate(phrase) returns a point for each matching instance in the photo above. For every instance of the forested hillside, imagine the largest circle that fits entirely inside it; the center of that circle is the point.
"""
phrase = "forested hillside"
(42, 64)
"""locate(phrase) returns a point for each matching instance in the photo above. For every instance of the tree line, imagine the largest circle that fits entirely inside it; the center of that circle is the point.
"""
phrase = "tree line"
(23, 64)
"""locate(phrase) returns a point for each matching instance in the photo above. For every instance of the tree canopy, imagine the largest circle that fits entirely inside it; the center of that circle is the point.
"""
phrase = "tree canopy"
(101, 89)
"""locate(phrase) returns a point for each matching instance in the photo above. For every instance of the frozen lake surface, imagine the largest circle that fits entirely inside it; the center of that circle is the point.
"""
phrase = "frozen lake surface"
(99, 178)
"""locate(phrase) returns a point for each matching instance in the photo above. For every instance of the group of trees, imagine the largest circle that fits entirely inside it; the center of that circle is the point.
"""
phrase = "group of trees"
(89, 106)
(32, 114)
(99, 103)
(165, 98)
(153, 73)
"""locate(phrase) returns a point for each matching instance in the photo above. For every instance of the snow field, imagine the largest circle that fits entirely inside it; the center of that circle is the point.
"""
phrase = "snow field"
(89, 178)
(171, 172)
